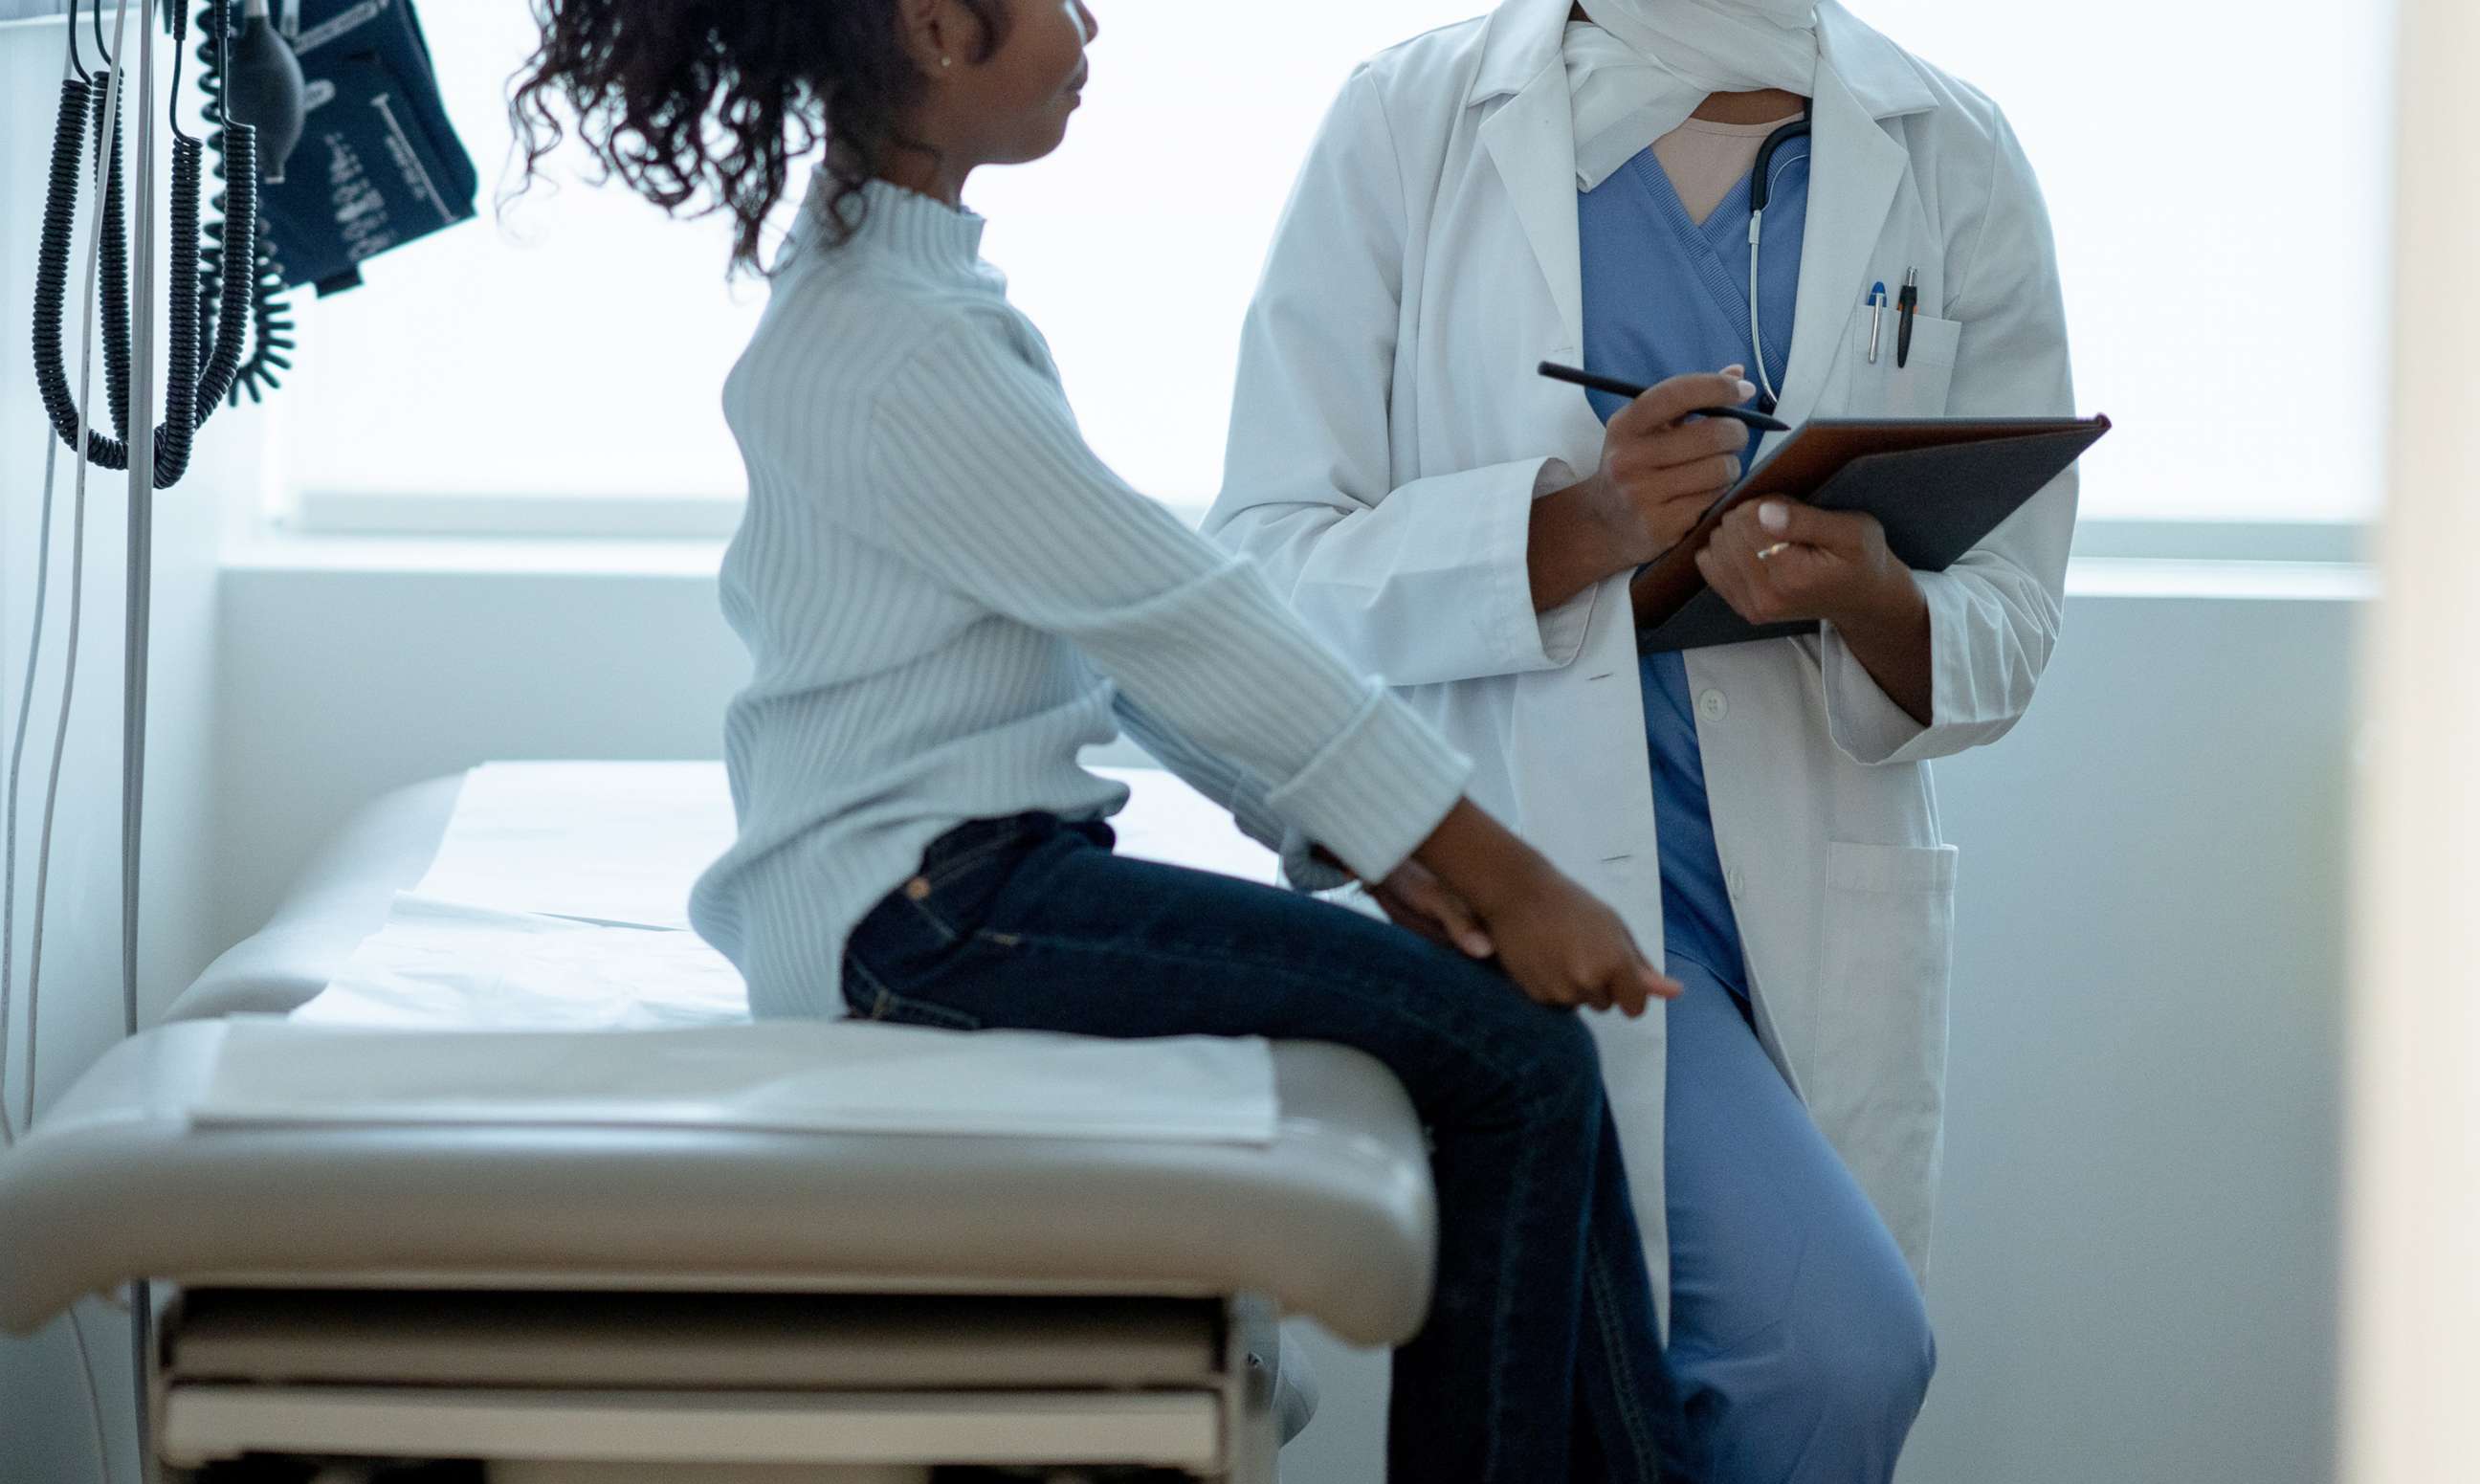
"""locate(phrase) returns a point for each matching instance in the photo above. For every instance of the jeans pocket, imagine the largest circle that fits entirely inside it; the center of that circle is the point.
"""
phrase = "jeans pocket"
(871, 1003)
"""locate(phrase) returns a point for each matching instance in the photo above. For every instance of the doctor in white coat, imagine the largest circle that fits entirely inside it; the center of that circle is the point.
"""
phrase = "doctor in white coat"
(1485, 197)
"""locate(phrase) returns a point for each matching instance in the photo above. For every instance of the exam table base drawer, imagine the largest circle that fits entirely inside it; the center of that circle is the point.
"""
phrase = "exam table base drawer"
(1160, 1430)
(606, 1388)
(706, 1341)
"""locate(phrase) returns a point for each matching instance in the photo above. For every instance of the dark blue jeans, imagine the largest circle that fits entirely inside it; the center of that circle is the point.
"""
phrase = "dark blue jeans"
(1540, 1361)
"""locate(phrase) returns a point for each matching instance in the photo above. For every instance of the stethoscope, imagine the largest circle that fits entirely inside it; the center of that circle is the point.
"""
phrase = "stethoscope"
(1761, 194)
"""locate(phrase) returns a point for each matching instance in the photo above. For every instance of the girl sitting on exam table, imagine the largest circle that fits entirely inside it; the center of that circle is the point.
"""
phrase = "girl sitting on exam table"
(1578, 183)
(947, 595)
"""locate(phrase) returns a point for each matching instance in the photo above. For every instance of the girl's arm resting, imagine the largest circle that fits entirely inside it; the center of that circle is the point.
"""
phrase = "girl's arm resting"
(1993, 616)
(1235, 789)
(979, 476)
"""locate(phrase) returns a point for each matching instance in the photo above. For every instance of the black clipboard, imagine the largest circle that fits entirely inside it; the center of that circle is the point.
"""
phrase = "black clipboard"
(1939, 486)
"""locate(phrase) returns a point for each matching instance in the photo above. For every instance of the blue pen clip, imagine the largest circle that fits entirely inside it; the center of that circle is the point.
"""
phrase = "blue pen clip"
(1876, 321)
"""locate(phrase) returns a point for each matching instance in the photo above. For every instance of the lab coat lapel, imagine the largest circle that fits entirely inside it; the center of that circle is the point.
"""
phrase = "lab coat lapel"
(1531, 139)
(1856, 169)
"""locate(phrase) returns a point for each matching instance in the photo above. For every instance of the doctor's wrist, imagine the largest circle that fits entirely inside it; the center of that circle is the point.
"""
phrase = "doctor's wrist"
(1575, 541)
(1889, 606)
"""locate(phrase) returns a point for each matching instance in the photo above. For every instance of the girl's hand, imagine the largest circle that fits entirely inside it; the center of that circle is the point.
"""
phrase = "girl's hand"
(1563, 948)
(1559, 944)
(1418, 902)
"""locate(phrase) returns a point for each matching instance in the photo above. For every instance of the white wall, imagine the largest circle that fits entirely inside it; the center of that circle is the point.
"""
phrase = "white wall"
(2135, 1263)
(44, 1428)
(339, 684)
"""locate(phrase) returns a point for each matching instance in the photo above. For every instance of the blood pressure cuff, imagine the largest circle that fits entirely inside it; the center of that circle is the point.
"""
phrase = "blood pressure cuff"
(378, 165)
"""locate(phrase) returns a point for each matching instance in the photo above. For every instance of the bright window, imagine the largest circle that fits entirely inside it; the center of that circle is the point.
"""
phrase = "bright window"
(2220, 177)
(579, 346)
(2224, 248)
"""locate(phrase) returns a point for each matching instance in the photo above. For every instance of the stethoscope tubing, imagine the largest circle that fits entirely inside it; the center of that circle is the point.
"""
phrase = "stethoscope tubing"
(1761, 194)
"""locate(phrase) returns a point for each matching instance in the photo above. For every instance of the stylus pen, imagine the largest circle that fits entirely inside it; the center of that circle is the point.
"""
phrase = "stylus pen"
(1631, 391)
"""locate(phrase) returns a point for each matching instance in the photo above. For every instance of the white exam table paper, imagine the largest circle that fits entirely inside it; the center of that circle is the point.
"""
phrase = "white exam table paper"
(602, 842)
(558, 902)
(452, 966)
(623, 842)
(843, 1077)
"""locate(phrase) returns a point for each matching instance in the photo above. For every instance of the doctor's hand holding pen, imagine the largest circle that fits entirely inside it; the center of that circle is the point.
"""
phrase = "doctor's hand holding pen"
(1662, 467)
(1474, 887)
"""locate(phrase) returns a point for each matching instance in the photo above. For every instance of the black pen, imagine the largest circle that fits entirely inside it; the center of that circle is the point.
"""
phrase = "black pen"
(1631, 391)
(1908, 305)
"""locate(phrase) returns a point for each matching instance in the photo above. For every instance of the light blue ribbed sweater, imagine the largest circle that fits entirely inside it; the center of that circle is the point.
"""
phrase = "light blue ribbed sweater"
(946, 596)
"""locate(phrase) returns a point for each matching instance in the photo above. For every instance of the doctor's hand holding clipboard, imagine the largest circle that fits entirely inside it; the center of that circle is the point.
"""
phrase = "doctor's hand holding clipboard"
(1782, 561)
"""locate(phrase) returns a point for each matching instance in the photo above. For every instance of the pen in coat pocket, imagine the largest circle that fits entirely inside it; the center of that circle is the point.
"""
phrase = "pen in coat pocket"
(1908, 308)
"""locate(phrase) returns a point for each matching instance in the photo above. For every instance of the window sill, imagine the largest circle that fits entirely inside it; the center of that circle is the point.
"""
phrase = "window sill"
(523, 518)
(2243, 582)
(292, 551)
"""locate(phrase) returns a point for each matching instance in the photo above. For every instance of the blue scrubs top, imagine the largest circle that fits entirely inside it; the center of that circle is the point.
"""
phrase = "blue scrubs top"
(1666, 295)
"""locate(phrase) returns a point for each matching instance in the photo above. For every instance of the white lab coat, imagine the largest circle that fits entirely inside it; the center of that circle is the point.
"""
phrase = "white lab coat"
(1389, 435)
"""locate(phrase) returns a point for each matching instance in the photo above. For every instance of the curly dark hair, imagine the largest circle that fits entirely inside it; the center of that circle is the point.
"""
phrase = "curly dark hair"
(717, 99)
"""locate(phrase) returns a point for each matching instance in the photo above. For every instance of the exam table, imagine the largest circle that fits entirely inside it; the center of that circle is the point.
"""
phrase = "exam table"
(503, 1296)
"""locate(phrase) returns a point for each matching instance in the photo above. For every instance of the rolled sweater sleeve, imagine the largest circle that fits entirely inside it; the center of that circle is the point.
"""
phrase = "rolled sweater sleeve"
(984, 482)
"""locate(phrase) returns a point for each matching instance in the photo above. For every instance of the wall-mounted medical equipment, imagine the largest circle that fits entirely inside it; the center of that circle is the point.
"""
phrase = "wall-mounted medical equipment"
(377, 164)
(261, 87)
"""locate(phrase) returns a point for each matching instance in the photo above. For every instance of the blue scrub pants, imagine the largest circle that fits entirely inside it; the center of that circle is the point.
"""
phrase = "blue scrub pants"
(1799, 1339)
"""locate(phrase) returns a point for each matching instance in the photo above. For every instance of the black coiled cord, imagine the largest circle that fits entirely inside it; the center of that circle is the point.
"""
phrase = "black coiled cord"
(192, 389)
(269, 310)
(51, 293)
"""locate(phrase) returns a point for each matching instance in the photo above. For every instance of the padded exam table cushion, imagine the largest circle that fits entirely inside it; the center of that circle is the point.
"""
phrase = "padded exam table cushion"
(1334, 1220)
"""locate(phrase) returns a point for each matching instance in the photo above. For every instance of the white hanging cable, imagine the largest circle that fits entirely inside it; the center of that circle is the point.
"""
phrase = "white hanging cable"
(77, 585)
(17, 759)
(94, 1398)
(140, 553)
(77, 580)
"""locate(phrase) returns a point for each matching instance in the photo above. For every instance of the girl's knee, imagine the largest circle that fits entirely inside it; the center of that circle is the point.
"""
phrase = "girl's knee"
(1542, 1066)
(1561, 1055)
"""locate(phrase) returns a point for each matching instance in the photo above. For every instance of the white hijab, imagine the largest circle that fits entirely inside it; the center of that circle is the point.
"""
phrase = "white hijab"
(1639, 67)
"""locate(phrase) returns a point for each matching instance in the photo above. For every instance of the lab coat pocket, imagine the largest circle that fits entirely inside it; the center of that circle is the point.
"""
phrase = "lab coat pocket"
(1916, 388)
(1880, 1059)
